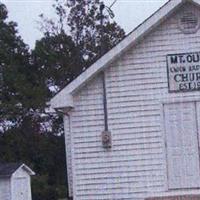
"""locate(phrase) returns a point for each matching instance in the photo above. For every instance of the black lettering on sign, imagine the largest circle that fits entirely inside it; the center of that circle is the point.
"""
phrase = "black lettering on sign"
(181, 59)
(189, 58)
(183, 72)
(174, 59)
(196, 58)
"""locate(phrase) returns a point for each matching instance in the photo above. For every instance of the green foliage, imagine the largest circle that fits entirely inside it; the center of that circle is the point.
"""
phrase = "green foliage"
(20, 83)
(41, 190)
(58, 60)
(85, 27)
(28, 135)
(44, 153)
(81, 20)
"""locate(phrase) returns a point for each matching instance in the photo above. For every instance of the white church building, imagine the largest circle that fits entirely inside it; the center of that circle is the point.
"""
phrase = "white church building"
(132, 120)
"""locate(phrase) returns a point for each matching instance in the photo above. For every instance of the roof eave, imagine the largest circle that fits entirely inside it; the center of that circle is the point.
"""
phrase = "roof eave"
(62, 101)
(28, 169)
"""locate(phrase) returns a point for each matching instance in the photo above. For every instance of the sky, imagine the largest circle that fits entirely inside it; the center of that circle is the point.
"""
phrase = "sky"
(128, 14)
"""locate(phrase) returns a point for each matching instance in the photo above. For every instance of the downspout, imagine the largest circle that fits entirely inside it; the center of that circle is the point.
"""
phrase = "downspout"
(105, 108)
(68, 183)
(64, 114)
(102, 7)
(106, 135)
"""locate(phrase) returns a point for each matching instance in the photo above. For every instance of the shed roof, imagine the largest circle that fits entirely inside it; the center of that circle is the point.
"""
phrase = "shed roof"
(7, 169)
(64, 99)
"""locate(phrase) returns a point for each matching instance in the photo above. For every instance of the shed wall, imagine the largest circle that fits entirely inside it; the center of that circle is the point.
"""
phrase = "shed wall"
(137, 86)
(5, 192)
(21, 182)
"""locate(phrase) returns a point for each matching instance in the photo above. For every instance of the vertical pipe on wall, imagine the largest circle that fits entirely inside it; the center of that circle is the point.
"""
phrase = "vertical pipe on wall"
(102, 7)
(105, 102)
(67, 130)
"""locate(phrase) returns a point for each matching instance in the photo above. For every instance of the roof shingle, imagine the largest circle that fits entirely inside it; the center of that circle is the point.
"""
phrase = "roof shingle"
(7, 169)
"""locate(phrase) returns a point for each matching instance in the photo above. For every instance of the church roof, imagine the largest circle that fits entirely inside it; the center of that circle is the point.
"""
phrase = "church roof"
(64, 99)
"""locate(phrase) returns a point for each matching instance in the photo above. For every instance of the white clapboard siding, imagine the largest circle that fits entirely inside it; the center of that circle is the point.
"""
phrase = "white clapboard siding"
(21, 185)
(136, 87)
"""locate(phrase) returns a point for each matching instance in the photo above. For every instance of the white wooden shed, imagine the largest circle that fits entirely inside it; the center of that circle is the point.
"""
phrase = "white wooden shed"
(15, 181)
(132, 120)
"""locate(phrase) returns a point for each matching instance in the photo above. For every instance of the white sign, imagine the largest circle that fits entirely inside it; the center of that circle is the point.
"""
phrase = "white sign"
(183, 72)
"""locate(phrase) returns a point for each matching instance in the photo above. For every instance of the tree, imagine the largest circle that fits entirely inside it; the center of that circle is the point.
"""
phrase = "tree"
(40, 152)
(85, 27)
(26, 135)
(58, 59)
(79, 20)
(20, 83)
